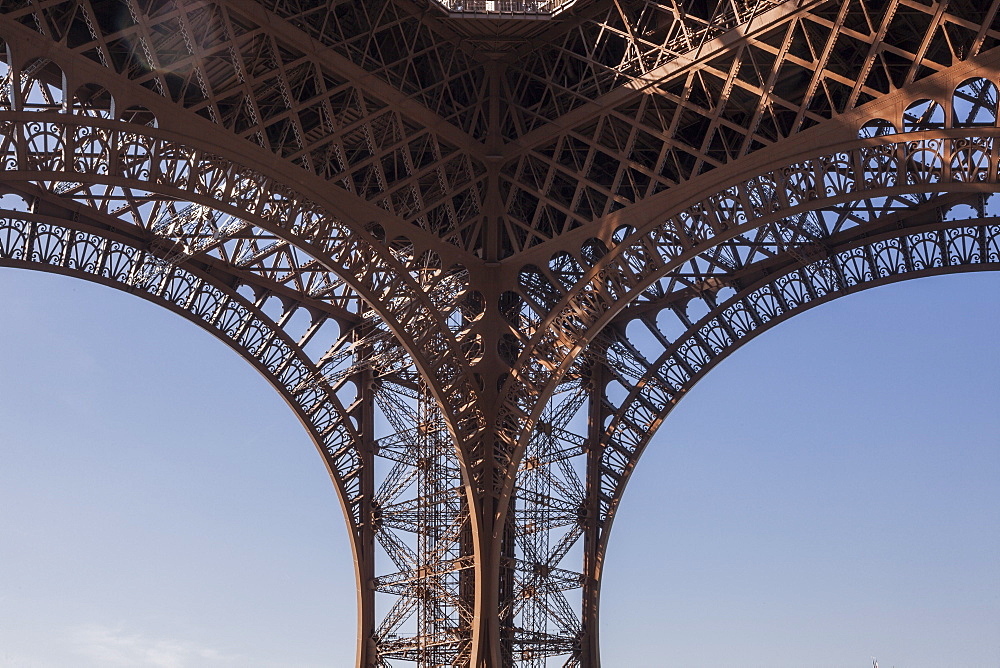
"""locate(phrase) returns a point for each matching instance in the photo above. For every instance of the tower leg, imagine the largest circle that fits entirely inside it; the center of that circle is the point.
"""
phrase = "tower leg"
(593, 556)
(364, 552)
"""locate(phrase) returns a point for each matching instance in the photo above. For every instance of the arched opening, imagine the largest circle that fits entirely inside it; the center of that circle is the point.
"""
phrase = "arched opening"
(827, 494)
(159, 503)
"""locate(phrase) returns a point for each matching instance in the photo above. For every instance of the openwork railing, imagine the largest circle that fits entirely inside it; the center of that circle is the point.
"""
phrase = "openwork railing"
(506, 8)
(727, 16)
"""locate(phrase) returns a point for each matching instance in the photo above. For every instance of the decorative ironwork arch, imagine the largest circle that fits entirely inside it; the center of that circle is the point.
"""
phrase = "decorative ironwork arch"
(824, 211)
(175, 209)
(655, 385)
(648, 389)
(483, 207)
(88, 145)
(861, 177)
(44, 243)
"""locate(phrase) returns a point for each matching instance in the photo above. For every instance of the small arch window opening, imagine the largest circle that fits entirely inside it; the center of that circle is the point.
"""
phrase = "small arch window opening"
(923, 115)
(975, 104)
(877, 127)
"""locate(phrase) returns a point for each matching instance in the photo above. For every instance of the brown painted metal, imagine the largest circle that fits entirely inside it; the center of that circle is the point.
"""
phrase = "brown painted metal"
(483, 255)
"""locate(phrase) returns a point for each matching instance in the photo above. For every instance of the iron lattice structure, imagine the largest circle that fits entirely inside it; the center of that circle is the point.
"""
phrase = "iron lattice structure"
(483, 250)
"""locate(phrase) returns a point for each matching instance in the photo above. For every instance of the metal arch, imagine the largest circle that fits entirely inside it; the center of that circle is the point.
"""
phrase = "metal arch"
(865, 183)
(954, 246)
(278, 98)
(70, 154)
(53, 244)
(948, 245)
(41, 142)
(325, 376)
(879, 174)
(651, 390)
(346, 247)
(177, 171)
(499, 160)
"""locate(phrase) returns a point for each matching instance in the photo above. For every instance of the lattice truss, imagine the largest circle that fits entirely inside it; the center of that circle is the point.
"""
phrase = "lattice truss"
(422, 526)
(483, 257)
(682, 322)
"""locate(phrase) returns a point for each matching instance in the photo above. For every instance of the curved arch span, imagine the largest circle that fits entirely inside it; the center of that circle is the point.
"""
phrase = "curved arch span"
(31, 241)
(40, 143)
(703, 231)
(99, 161)
(189, 206)
(41, 243)
(649, 389)
(963, 246)
(823, 471)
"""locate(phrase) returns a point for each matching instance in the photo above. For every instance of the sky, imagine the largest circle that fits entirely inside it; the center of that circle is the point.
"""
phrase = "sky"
(829, 493)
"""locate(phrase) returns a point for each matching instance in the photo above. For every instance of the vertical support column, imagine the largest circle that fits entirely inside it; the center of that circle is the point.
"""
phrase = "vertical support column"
(486, 650)
(364, 551)
(466, 581)
(593, 556)
(422, 527)
(493, 204)
(505, 587)
(491, 537)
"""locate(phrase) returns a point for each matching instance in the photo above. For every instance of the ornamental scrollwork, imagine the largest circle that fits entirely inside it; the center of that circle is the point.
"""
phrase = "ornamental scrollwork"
(794, 209)
(965, 241)
(26, 241)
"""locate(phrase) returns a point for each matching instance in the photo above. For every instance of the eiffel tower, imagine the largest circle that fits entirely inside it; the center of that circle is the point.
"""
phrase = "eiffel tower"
(516, 231)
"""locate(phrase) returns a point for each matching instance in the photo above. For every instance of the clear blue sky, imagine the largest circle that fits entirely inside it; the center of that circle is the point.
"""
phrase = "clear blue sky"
(829, 493)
